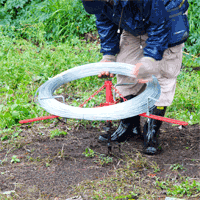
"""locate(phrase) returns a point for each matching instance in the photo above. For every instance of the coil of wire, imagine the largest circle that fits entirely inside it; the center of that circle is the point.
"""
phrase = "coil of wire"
(132, 107)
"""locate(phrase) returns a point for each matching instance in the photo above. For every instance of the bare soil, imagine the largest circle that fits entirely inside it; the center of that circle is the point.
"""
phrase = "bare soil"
(49, 168)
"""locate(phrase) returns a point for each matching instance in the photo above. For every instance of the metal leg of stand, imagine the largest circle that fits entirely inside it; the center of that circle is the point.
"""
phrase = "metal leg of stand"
(109, 144)
(109, 137)
(119, 146)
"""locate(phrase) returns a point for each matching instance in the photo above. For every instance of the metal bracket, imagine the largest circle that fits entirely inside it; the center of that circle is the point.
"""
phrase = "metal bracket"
(109, 124)
(54, 97)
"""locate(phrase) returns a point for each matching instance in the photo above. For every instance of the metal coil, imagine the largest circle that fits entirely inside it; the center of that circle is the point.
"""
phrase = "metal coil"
(140, 104)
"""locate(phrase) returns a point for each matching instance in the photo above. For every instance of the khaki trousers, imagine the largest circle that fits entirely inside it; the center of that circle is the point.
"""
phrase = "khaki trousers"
(169, 68)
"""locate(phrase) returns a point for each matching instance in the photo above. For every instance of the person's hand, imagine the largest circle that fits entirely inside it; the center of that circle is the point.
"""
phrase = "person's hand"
(107, 73)
(135, 71)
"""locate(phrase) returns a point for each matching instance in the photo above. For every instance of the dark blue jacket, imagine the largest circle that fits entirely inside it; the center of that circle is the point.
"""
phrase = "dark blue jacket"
(139, 17)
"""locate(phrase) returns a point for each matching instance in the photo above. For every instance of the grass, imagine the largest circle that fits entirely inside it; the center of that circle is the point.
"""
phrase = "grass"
(57, 132)
(101, 158)
(134, 180)
(39, 20)
(26, 66)
(186, 103)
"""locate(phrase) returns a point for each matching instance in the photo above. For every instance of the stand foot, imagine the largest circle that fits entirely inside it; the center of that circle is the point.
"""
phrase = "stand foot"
(119, 146)
(109, 150)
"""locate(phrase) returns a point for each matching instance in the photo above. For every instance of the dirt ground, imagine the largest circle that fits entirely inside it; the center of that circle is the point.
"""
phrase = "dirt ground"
(49, 168)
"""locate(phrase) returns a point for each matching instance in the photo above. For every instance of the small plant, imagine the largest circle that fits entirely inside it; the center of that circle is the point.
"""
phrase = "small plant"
(57, 132)
(5, 137)
(140, 161)
(3, 161)
(162, 184)
(102, 159)
(89, 153)
(15, 159)
(47, 164)
(155, 166)
(38, 159)
(132, 195)
(176, 166)
(185, 188)
(6, 133)
(30, 158)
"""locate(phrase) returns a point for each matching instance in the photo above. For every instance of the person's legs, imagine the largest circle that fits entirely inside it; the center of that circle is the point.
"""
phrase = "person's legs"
(170, 68)
(127, 127)
(131, 53)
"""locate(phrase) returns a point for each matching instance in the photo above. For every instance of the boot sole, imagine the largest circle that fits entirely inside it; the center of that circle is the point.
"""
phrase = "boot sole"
(152, 152)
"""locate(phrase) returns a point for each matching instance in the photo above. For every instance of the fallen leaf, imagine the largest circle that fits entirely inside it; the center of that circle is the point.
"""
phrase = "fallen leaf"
(151, 175)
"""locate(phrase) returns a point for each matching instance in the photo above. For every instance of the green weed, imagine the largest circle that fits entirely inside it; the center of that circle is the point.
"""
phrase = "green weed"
(89, 153)
(47, 164)
(184, 188)
(9, 133)
(15, 159)
(57, 132)
(163, 184)
(176, 166)
(130, 196)
(101, 158)
(155, 166)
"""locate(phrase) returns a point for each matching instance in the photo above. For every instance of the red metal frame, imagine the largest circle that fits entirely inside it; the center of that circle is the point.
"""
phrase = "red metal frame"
(37, 119)
(109, 101)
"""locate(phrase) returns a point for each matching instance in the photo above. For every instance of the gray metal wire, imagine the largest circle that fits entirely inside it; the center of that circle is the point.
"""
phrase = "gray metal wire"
(123, 110)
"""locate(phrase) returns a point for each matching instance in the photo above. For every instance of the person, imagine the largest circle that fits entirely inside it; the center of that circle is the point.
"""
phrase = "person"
(149, 34)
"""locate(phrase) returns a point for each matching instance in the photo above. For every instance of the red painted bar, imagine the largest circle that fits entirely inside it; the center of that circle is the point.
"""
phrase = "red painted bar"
(37, 119)
(164, 119)
(109, 96)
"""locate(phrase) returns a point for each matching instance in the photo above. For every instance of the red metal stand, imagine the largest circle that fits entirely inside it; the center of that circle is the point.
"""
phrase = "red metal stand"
(109, 101)
(109, 96)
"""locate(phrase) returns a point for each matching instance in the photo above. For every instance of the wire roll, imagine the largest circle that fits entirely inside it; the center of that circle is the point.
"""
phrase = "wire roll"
(138, 105)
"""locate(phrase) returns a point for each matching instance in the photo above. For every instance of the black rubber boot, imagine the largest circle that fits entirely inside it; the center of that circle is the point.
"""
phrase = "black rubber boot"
(127, 128)
(151, 142)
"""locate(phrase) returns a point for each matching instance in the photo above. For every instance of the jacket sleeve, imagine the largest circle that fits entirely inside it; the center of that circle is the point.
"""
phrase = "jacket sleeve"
(158, 31)
(108, 35)
(157, 42)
